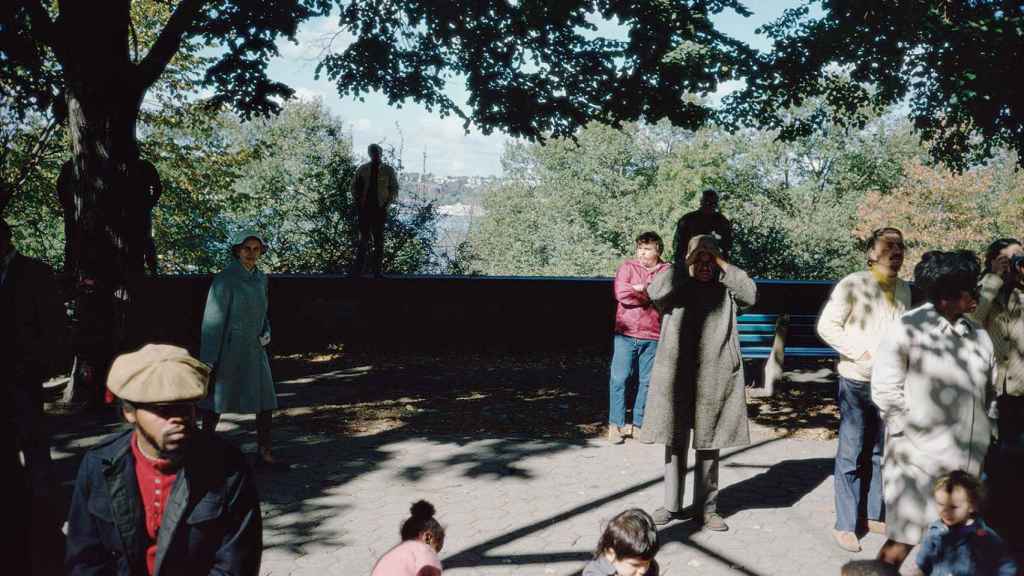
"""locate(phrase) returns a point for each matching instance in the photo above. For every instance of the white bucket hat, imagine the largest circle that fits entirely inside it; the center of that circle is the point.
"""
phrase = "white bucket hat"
(239, 238)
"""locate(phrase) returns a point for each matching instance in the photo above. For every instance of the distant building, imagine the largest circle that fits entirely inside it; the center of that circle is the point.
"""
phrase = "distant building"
(461, 210)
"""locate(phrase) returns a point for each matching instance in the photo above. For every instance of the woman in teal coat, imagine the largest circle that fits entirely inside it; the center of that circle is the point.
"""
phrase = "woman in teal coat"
(235, 332)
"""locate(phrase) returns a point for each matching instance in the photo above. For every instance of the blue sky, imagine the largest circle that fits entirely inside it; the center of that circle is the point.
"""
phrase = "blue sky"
(450, 151)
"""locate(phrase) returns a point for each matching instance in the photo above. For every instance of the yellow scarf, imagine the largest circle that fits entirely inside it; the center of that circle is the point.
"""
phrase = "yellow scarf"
(886, 283)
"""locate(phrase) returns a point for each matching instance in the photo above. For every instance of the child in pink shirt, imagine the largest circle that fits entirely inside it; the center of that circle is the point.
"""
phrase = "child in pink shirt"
(422, 539)
(637, 327)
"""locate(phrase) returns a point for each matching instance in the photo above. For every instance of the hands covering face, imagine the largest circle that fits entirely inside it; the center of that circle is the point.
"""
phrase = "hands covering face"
(708, 249)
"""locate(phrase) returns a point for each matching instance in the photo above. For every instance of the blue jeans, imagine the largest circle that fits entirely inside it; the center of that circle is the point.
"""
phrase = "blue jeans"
(631, 356)
(1003, 470)
(858, 474)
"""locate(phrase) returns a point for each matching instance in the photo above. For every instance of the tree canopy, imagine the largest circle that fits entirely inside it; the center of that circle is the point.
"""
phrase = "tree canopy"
(532, 67)
(950, 63)
(41, 44)
(537, 67)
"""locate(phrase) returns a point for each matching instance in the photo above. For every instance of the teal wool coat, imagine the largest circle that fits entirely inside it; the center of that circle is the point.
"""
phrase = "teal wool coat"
(233, 322)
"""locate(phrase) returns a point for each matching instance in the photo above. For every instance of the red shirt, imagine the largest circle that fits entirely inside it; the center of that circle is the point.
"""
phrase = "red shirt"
(156, 479)
(635, 315)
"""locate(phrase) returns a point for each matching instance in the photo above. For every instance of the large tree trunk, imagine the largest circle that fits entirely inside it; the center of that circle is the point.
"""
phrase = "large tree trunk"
(99, 188)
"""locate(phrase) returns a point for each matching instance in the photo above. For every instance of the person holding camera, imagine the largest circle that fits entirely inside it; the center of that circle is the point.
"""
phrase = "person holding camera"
(1001, 312)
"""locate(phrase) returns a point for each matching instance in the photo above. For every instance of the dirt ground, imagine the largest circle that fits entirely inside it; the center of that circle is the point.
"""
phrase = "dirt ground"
(554, 396)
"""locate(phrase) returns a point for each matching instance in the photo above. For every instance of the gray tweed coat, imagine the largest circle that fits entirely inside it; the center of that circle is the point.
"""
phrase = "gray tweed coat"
(697, 379)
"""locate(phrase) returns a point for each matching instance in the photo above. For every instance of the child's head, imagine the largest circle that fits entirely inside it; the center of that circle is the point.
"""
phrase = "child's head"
(423, 527)
(957, 497)
(629, 542)
(868, 568)
(649, 247)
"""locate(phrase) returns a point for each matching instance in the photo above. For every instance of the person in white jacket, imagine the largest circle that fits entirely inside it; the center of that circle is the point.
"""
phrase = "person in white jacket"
(932, 382)
(853, 320)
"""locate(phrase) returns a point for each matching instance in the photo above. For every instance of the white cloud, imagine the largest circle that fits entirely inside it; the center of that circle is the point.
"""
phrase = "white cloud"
(314, 39)
(724, 89)
(308, 94)
(411, 128)
(438, 128)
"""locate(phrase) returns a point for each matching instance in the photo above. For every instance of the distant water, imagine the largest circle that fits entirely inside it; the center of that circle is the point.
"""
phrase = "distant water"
(453, 225)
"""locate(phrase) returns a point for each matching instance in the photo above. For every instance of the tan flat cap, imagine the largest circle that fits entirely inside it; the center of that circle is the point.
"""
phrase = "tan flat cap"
(158, 373)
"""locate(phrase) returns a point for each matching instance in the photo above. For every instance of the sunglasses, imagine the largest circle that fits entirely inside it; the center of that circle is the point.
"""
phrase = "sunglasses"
(170, 409)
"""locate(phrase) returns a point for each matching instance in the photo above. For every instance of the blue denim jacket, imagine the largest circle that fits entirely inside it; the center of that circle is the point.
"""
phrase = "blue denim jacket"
(211, 525)
(966, 550)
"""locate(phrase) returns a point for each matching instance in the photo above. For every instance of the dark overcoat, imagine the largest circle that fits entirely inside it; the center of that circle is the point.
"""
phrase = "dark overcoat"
(33, 347)
(34, 342)
(697, 379)
(211, 525)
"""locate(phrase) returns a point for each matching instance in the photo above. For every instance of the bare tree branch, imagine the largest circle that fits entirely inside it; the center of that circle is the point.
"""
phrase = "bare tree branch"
(169, 42)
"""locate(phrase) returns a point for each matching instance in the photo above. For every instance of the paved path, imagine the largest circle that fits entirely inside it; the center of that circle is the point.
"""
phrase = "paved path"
(522, 506)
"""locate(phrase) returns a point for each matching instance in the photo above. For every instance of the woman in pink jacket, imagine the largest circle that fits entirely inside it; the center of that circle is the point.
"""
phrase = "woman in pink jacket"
(637, 327)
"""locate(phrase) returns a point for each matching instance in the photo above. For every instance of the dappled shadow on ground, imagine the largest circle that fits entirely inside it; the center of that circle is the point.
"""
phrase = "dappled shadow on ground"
(781, 485)
(542, 396)
(342, 416)
(804, 403)
(555, 396)
(482, 554)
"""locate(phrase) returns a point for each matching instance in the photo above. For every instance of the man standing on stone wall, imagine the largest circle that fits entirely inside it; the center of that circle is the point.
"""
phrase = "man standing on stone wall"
(374, 187)
(860, 308)
(705, 220)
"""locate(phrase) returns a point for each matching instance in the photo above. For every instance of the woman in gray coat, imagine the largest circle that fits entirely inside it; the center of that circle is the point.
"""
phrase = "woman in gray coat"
(235, 332)
(697, 381)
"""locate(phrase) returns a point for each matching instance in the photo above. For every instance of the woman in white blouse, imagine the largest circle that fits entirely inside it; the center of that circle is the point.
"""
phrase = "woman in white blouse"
(932, 382)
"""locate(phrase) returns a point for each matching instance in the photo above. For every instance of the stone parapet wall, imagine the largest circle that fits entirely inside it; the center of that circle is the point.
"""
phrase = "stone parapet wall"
(426, 313)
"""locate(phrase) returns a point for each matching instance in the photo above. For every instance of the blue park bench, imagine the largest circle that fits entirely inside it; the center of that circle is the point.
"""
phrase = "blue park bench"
(768, 339)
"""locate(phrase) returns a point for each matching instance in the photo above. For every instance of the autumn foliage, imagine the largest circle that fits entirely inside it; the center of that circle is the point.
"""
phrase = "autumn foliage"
(938, 209)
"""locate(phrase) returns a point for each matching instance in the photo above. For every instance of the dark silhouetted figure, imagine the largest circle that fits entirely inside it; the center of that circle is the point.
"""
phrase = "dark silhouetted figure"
(374, 188)
(32, 349)
(705, 220)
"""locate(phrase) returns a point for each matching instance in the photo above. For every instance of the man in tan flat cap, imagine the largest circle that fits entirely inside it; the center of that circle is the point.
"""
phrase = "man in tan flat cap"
(160, 498)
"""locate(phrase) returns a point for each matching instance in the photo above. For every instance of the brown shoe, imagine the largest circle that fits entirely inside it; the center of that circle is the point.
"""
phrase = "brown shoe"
(714, 522)
(846, 540)
(876, 526)
(614, 435)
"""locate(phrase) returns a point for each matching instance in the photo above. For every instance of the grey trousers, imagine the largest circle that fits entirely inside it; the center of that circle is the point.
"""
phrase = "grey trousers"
(705, 479)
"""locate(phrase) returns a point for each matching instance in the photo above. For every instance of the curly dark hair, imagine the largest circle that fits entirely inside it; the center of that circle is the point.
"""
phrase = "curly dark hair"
(422, 520)
(944, 275)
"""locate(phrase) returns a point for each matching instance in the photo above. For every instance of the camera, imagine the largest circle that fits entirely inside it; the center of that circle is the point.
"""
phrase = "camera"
(1017, 261)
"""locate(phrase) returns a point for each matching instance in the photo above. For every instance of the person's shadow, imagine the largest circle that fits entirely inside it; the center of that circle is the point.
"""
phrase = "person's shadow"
(781, 485)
